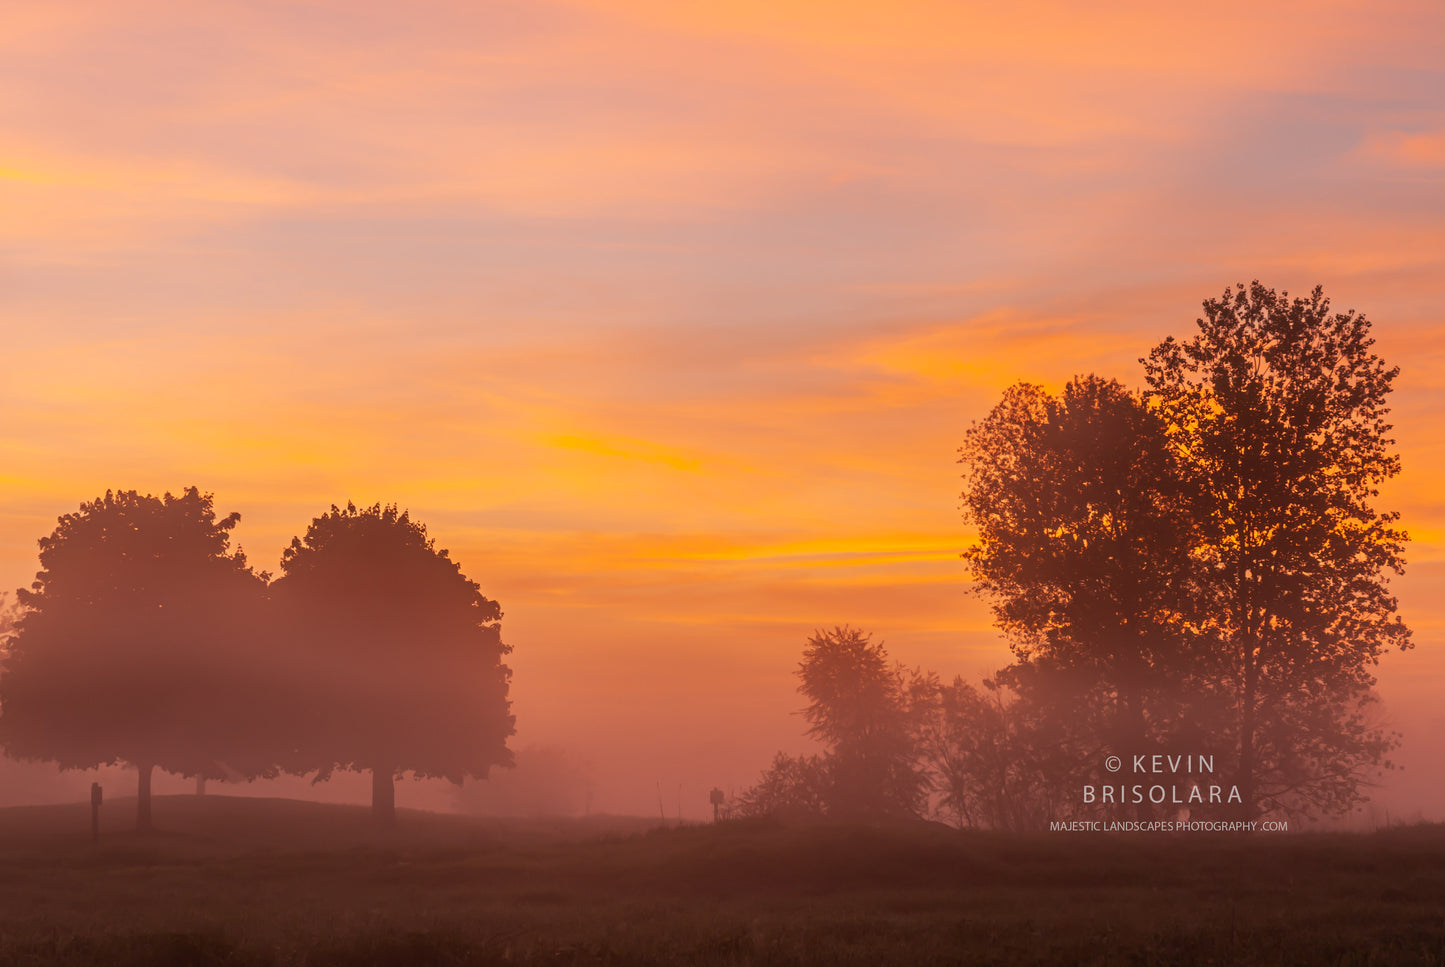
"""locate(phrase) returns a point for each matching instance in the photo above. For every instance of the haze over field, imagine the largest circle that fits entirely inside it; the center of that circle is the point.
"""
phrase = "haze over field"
(667, 319)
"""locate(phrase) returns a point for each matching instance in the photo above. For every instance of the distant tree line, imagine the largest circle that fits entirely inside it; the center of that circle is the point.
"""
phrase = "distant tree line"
(145, 639)
(1197, 567)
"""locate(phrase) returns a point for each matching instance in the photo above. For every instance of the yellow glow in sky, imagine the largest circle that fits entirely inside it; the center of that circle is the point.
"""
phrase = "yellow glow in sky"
(668, 318)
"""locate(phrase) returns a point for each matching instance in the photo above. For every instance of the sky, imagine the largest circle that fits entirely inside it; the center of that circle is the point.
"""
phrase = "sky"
(668, 319)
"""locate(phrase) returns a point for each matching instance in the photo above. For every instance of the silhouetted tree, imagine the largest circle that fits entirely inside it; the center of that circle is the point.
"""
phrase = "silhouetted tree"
(1000, 761)
(1277, 409)
(867, 711)
(793, 788)
(134, 643)
(1085, 534)
(400, 653)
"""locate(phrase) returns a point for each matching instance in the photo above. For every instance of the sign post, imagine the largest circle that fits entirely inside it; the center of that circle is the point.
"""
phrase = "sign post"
(95, 812)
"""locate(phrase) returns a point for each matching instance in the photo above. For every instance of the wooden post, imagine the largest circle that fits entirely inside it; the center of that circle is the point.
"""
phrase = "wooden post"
(95, 812)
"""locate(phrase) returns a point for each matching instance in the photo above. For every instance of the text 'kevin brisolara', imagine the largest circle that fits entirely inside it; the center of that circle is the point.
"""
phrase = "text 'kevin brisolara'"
(1167, 826)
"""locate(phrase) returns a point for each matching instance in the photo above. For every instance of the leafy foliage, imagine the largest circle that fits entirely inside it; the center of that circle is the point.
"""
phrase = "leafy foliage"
(999, 761)
(863, 708)
(793, 788)
(133, 644)
(868, 712)
(1200, 565)
(1277, 408)
(401, 653)
(1085, 535)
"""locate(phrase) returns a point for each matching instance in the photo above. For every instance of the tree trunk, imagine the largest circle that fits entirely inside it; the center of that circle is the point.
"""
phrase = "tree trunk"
(143, 798)
(383, 797)
(1135, 731)
(1246, 745)
(1245, 609)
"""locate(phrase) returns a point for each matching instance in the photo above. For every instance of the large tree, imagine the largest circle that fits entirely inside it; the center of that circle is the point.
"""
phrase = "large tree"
(1277, 408)
(134, 644)
(395, 654)
(1084, 547)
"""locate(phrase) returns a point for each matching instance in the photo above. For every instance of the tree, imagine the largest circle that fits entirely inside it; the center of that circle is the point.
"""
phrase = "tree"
(397, 654)
(870, 714)
(793, 788)
(1001, 761)
(1085, 539)
(1277, 408)
(867, 711)
(133, 643)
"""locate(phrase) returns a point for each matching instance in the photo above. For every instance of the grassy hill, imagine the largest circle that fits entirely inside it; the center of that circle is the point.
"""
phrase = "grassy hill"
(259, 882)
(188, 825)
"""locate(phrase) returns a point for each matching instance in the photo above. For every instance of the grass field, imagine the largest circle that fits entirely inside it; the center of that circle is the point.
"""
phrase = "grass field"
(254, 881)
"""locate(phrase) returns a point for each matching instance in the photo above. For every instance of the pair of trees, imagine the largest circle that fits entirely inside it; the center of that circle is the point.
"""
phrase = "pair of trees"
(1202, 562)
(145, 639)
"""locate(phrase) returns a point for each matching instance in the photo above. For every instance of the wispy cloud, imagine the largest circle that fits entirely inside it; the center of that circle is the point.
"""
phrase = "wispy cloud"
(668, 317)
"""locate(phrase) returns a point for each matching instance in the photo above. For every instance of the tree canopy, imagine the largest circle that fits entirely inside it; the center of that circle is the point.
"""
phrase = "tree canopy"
(868, 712)
(1000, 761)
(1200, 567)
(401, 654)
(860, 705)
(1084, 545)
(132, 643)
(1277, 408)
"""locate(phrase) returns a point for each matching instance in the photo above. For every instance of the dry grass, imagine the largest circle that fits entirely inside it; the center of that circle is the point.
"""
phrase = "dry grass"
(261, 882)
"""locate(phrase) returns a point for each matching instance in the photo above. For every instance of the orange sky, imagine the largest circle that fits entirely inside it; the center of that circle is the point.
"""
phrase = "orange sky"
(668, 318)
